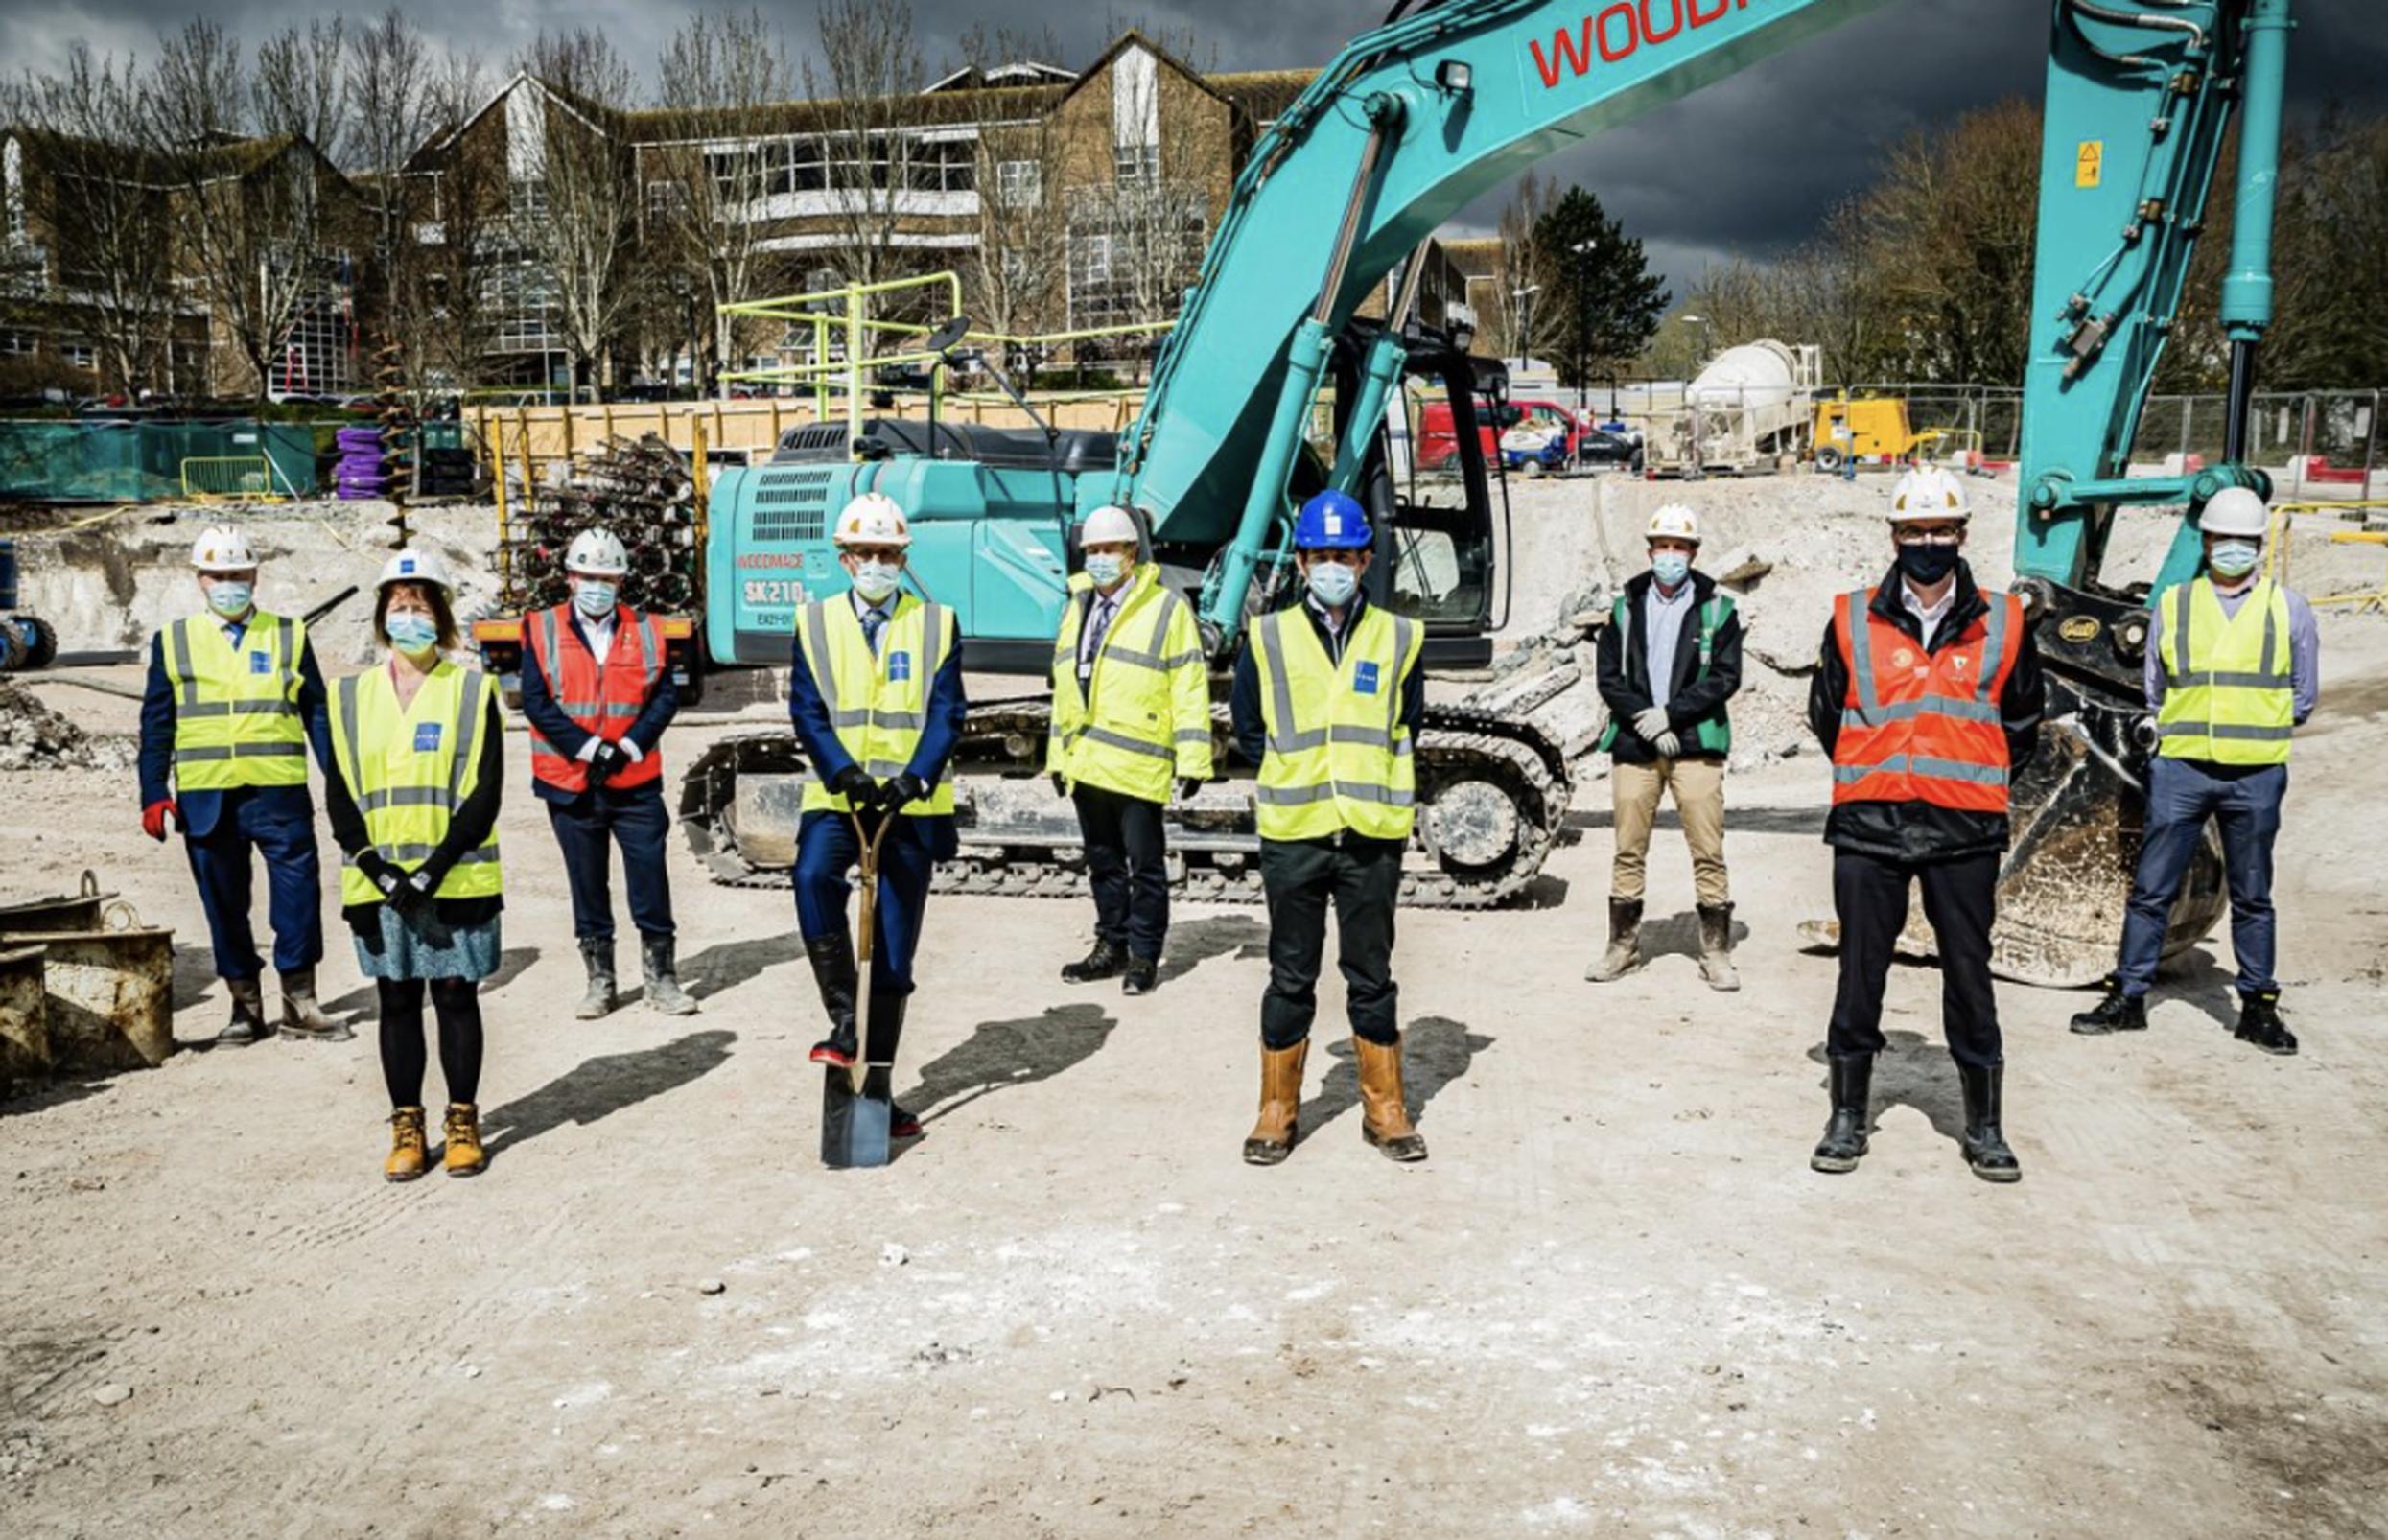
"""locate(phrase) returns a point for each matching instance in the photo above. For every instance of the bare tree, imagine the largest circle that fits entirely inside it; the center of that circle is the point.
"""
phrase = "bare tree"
(299, 88)
(1020, 269)
(443, 308)
(1521, 279)
(873, 66)
(579, 214)
(92, 238)
(707, 191)
(198, 87)
(388, 75)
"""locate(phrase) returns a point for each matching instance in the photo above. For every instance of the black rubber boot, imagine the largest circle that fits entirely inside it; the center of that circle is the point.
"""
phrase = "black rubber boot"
(1843, 1144)
(248, 1023)
(1143, 976)
(2260, 1024)
(832, 960)
(597, 956)
(2116, 1012)
(887, 1037)
(1108, 960)
(1624, 943)
(1985, 1146)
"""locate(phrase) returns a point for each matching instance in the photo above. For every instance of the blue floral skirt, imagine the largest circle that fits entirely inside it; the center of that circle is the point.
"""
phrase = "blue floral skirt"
(429, 948)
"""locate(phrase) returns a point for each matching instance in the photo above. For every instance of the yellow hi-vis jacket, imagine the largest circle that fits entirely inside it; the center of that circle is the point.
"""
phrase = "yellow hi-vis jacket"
(1337, 757)
(411, 770)
(236, 715)
(2228, 698)
(879, 705)
(1144, 717)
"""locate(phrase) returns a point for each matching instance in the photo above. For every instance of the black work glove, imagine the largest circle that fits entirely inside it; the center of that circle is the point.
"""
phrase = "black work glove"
(856, 785)
(412, 894)
(901, 792)
(606, 764)
(1188, 786)
(1060, 784)
(383, 876)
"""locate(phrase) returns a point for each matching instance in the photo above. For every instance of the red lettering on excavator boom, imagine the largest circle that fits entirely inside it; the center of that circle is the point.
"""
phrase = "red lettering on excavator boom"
(1618, 29)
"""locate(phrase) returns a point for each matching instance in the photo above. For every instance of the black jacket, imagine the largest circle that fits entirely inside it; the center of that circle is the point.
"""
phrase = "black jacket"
(1624, 672)
(1919, 830)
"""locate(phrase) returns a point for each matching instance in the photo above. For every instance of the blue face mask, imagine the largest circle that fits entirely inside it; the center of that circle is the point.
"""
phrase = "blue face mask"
(413, 632)
(596, 599)
(1334, 583)
(231, 600)
(1671, 567)
(1106, 568)
(874, 581)
(2234, 558)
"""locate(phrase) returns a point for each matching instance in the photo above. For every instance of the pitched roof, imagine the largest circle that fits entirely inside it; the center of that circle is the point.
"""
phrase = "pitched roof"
(1265, 93)
(1475, 255)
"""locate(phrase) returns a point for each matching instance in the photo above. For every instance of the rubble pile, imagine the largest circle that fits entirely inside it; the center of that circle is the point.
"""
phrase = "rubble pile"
(35, 737)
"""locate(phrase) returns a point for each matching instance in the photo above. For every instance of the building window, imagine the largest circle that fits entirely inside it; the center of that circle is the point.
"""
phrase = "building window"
(665, 199)
(1019, 184)
(1135, 165)
(1095, 259)
(529, 198)
(81, 355)
(18, 344)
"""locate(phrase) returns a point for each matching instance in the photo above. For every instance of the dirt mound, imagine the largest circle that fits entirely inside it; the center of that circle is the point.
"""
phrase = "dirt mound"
(35, 737)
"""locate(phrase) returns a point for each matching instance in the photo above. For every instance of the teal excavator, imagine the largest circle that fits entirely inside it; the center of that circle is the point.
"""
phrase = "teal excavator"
(1411, 121)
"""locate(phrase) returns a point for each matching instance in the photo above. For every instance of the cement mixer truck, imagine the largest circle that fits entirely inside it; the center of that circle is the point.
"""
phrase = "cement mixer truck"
(1750, 410)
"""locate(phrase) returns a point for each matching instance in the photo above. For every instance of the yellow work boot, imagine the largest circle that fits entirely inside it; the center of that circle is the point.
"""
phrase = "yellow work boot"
(1383, 1116)
(407, 1155)
(462, 1131)
(1280, 1101)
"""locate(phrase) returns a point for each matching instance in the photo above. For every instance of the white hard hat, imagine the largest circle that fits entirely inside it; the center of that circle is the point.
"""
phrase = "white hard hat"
(1675, 522)
(1108, 525)
(2236, 511)
(416, 566)
(596, 553)
(873, 518)
(222, 549)
(1928, 492)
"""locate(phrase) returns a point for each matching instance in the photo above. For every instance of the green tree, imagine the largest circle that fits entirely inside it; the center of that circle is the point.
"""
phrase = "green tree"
(1599, 301)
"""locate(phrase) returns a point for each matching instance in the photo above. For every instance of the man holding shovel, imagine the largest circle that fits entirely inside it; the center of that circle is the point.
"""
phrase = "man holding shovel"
(878, 702)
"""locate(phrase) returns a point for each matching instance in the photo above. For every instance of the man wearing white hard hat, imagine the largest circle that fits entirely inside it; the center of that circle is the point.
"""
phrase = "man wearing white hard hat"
(1131, 727)
(2233, 669)
(598, 691)
(234, 704)
(1927, 698)
(1670, 659)
(878, 702)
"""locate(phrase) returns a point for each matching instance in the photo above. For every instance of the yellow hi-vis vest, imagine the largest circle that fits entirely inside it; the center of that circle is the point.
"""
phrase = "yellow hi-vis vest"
(879, 705)
(1144, 715)
(2228, 698)
(236, 715)
(1337, 758)
(411, 770)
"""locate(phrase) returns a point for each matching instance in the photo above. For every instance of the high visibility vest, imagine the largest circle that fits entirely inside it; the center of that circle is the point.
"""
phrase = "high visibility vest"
(1711, 735)
(1338, 757)
(879, 705)
(1143, 715)
(600, 700)
(1923, 726)
(236, 715)
(2228, 697)
(410, 771)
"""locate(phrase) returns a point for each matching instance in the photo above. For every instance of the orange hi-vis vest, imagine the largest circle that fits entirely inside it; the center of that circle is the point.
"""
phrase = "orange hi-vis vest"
(1919, 725)
(603, 701)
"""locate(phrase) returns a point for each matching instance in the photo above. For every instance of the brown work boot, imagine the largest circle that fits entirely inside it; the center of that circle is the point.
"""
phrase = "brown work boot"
(1716, 948)
(1383, 1116)
(407, 1155)
(461, 1132)
(1624, 943)
(248, 1023)
(302, 1015)
(1280, 1101)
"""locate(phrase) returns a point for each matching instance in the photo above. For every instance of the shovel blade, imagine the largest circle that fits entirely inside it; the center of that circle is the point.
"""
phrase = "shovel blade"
(854, 1123)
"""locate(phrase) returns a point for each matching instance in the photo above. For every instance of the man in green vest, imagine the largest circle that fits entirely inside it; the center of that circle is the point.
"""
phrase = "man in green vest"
(1327, 699)
(1131, 725)
(2235, 670)
(1670, 659)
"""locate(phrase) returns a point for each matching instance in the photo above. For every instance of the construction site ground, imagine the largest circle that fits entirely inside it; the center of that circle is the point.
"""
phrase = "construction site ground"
(1615, 1300)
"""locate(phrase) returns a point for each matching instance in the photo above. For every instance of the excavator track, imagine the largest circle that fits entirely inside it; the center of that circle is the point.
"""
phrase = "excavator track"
(1493, 795)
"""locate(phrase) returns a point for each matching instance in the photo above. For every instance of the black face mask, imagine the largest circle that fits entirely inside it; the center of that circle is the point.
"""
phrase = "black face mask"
(1926, 564)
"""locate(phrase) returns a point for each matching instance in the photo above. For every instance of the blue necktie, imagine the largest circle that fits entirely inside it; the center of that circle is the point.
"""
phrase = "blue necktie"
(233, 632)
(873, 620)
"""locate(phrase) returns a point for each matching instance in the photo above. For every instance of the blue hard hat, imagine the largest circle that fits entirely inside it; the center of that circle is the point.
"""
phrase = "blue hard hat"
(1333, 520)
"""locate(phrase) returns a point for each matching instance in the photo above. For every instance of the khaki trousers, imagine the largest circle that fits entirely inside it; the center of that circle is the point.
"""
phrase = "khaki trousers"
(1698, 788)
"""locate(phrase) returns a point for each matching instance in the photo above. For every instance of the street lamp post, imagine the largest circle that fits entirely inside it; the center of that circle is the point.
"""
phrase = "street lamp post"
(1525, 314)
(1708, 337)
(1583, 250)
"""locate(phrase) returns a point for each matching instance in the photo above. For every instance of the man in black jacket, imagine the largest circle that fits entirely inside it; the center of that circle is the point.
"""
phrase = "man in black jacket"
(1670, 659)
(1927, 698)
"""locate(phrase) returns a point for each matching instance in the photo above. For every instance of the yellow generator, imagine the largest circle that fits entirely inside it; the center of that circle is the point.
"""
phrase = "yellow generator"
(1872, 431)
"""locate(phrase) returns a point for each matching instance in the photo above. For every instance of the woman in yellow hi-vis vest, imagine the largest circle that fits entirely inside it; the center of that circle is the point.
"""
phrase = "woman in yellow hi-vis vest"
(1329, 695)
(419, 748)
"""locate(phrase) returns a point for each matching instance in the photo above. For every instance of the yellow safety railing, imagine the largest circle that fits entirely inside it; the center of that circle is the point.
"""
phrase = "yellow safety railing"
(230, 479)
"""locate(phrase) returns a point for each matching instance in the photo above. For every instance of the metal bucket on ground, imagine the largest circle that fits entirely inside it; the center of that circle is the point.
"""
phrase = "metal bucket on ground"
(24, 1021)
(79, 911)
(109, 991)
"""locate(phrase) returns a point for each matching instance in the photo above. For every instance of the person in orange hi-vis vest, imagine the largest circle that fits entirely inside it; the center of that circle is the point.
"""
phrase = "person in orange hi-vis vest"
(599, 691)
(1927, 698)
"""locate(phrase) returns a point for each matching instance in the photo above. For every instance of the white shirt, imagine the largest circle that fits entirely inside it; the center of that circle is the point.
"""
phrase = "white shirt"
(600, 634)
(1928, 616)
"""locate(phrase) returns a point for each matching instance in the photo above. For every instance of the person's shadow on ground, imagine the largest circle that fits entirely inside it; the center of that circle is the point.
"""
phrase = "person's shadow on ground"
(1911, 1072)
(1002, 1053)
(717, 969)
(1435, 1052)
(1678, 934)
(2197, 979)
(1197, 942)
(596, 1089)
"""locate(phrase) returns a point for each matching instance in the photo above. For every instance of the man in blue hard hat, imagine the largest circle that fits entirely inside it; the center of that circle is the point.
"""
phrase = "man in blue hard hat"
(1328, 696)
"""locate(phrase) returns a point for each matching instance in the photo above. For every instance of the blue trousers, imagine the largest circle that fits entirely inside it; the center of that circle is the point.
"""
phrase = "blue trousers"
(2181, 794)
(586, 830)
(285, 835)
(826, 850)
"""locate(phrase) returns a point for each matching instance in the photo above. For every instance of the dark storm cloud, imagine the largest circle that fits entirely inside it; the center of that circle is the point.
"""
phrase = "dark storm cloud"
(1746, 165)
